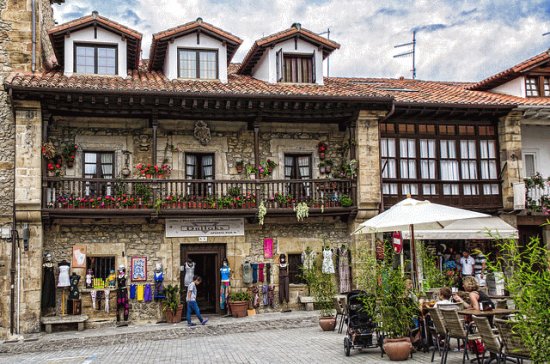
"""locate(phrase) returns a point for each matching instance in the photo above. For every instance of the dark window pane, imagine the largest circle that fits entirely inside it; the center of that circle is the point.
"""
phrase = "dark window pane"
(294, 269)
(100, 266)
(298, 69)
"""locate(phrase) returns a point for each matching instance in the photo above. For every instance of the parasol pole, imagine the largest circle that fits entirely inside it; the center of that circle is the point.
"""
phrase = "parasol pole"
(414, 274)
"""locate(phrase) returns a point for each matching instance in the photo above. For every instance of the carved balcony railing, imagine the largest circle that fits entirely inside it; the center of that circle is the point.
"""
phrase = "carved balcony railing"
(473, 194)
(170, 196)
(537, 194)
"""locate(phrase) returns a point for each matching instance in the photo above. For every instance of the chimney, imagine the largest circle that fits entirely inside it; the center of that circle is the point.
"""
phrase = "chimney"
(95, 14)
(199, 20)
(297, 26)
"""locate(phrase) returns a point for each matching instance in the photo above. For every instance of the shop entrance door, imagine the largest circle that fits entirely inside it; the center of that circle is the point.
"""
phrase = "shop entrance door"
(208, 260)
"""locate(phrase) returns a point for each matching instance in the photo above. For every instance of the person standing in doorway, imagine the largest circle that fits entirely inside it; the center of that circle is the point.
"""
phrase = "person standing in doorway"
(192, 301)
(480, 267)
(467, 264)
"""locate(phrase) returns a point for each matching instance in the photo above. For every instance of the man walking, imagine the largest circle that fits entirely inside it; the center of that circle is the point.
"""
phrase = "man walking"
(480, 267)
(192, 301)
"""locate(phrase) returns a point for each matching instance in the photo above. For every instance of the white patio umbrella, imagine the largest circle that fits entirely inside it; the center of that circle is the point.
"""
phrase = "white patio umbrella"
(410, 214)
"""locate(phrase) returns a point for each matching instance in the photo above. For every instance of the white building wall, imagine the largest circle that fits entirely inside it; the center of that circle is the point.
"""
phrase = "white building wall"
(536, 139)
(190, 41)
(266, 68)
(86, 35)
(515, 87)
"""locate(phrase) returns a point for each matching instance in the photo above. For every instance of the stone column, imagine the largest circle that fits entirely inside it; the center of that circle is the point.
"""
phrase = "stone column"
(369, 192)
(509, 137)
(28, 181)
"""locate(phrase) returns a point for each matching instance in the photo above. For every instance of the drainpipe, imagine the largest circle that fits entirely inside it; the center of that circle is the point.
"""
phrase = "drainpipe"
(14, 241)
(388, 115)
(33, 64)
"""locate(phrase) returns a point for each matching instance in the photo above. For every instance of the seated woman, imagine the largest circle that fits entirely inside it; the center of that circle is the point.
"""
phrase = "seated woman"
(444, 297)
(471, 286)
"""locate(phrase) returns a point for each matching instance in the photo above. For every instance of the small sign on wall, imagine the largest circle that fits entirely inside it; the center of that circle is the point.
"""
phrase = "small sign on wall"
(139, 269)
(184, 228)
(79, 256)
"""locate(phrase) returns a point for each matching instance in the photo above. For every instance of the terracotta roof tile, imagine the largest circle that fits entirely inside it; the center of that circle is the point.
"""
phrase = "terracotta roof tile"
(259, 46)
(403, 91)
(511, 73)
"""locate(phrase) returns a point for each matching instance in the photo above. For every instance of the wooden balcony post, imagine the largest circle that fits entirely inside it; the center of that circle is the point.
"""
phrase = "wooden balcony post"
(154, 124)
(257, 145)
(353, 155)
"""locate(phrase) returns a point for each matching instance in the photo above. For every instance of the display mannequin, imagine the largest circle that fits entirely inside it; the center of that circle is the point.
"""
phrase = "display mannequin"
(328, 265)
(283, 282)
(63, 281)
(74, 292)
(48, 285)
(189, 272)
(122, 294)
(159, 279)
(225, 273)
(111, 279)
(343, 269)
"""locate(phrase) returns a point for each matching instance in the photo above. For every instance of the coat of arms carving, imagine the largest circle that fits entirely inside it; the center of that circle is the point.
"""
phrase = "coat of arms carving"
(202, 132)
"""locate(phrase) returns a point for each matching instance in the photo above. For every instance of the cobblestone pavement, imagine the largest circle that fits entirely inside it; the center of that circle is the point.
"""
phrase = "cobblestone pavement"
(279, 338)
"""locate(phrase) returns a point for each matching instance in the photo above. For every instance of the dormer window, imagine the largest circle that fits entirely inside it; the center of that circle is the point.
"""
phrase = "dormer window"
(97, 59)
(534, 85)
(198, 64)
(299, 68)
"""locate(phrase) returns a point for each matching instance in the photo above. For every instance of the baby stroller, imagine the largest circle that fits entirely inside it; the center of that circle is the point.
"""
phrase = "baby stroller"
(362, 332)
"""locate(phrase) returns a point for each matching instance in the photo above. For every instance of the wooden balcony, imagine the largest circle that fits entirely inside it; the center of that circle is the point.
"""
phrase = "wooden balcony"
(79, 197)
(466, 194)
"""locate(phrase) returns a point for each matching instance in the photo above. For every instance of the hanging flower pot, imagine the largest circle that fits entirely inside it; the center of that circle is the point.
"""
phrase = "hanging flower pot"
(321, 155)
(322, 170)
(70, 163)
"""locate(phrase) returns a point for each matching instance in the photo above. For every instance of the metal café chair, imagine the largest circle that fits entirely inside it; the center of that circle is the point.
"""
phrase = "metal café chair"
(457, 330)
(340, 306)
(490, 338)
(437, 330)
(513, 346)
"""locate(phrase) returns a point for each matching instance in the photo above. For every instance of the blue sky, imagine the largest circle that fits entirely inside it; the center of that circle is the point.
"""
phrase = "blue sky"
(456, 40)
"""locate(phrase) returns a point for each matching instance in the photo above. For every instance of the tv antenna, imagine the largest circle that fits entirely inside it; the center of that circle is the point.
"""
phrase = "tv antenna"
(328, 58)
(412, 51)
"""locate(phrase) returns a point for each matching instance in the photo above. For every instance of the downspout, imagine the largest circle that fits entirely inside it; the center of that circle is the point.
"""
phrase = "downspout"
(33, 64)
(388, 115)
(14, 241)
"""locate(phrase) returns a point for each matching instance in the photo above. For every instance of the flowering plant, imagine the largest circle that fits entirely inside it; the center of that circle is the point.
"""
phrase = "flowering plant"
(153, 170)
(266, 167)
(54, 169)
(164, 170)
(69, 151)
(48, 150)
(322, 147)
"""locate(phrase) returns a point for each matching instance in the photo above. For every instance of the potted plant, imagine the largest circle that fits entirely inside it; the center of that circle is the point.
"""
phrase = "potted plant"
(322, 167)
(328, 165)
(238, 303)
(69, 153)
(302, 211)
(323, 289)
(345, 201)
(322, 149)
(48, 151)
(394, 309)
(171, 305)
(250, 171)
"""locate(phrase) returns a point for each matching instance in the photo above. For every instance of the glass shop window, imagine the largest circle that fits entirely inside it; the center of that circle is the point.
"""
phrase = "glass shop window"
(101, 266)
(294, 269)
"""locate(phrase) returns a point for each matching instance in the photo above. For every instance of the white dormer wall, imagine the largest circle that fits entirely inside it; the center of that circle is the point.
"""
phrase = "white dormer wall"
(189, 41)
(266, 68)
(515, 87)
(106, 37)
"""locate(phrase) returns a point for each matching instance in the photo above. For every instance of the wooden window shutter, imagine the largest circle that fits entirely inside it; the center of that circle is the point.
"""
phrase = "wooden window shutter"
(313, 69)
(279, 64)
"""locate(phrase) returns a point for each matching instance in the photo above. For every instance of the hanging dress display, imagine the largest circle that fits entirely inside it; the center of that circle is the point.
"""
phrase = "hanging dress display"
(148, 295)
(48, 287)
(343, 269)
(328, 265)
(140, 292)
(283, 280)
(308, 258)
(189, 273)
(247, 272)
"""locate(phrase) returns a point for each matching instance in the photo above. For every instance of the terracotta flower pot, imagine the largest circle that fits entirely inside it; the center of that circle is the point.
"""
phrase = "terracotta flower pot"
(398, 349)
(238, 308)
(172, 317)
(327, 323)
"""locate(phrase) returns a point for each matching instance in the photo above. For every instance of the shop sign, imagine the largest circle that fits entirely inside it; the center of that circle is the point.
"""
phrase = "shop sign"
(183, 228)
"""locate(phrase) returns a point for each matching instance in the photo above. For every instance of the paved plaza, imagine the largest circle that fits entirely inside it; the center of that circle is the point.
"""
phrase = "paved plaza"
(267, 338)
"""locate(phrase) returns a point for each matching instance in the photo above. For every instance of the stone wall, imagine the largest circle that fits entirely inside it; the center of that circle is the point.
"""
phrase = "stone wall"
(509, 135)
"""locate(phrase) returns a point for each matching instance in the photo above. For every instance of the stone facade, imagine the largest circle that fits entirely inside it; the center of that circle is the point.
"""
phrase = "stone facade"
(509, 133)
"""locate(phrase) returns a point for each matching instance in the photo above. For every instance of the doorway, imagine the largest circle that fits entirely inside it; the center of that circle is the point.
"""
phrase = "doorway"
(208, 260)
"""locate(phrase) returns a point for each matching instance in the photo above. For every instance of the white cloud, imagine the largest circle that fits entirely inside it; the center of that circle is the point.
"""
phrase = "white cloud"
(458, 41)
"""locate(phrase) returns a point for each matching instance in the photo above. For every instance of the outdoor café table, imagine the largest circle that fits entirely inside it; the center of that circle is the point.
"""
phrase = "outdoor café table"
(493, 312)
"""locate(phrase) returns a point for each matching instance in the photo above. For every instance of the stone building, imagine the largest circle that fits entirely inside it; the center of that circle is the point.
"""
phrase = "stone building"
(235, 137)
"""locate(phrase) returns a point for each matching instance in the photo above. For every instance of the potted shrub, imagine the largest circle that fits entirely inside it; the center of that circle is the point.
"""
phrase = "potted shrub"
(323, 289)
(239, 165)
(238, 303)
(69, 153)
(322, 167)
(328, 165)
(171, 305)
(346, 201)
